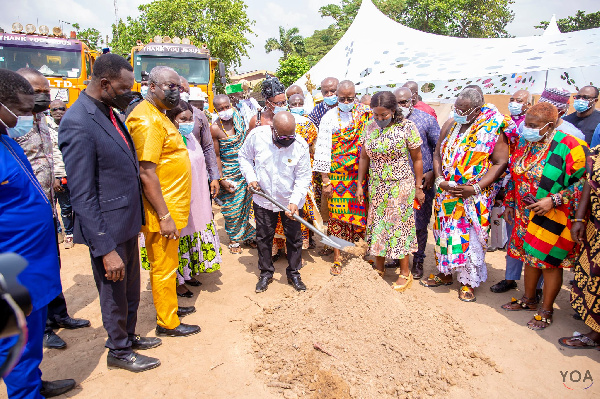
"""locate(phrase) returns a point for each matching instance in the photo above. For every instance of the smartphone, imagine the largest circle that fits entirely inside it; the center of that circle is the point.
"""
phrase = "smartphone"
(529, 199)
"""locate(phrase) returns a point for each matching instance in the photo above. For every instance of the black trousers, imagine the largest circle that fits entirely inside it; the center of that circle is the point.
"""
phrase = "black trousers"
(119, 301)
(266, 222)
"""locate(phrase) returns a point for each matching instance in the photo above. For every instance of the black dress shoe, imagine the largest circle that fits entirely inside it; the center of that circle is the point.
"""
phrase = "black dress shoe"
(297, 283)
(193, 283)
(71, 323)
(503, 286)
(55, 388)
(133, 362)
(417, 270)
(185, 310)
(143, 343)
(263, 284)
(53, 341)
(187, 294)
(182, 330)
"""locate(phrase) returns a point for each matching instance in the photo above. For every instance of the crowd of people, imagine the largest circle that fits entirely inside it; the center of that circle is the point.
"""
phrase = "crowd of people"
(135, 180)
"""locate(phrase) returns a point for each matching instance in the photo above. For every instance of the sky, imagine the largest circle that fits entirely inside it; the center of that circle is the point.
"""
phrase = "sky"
(269, 15)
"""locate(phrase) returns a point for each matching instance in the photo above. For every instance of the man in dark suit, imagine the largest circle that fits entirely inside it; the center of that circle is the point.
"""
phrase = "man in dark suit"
(103, 171)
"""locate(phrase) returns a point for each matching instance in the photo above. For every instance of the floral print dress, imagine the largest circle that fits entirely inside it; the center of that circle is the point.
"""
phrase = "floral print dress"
(390, 221)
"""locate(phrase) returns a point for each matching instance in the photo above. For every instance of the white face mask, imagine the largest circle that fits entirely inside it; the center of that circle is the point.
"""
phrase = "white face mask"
(226, 115)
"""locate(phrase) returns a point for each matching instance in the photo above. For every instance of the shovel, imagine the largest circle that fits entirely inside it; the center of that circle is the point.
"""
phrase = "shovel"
(333, 242)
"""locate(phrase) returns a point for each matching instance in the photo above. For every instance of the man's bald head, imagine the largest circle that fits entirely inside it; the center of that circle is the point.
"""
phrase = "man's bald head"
(296, 100)
(57, 110)
(412, 86)
(366, 99)
(221, 102)
(294, 89)
(403, 93)
(476, 87)
(329, 86)
(284, 124)
(524, 95)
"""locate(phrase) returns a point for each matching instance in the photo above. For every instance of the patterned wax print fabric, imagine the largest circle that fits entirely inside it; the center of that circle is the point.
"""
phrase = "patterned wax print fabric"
(585, 293)
(237, 206)
(157, 140)
(462, 227)
(337, 152)
(391, 223)
(555, 166)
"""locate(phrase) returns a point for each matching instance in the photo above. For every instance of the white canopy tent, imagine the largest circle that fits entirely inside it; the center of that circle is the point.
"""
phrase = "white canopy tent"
(377, 53)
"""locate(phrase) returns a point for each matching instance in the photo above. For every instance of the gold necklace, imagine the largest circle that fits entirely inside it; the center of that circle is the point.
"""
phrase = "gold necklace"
(520, 168)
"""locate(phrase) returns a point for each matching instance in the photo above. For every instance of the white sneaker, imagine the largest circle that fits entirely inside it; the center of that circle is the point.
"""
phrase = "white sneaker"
(69, 241)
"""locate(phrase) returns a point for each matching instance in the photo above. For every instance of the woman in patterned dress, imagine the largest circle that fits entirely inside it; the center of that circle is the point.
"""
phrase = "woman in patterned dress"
(547, 170)
(388, 141)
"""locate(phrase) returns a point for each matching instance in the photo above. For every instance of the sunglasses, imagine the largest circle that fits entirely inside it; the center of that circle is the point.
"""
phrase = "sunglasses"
(58, 109)
(293, 136)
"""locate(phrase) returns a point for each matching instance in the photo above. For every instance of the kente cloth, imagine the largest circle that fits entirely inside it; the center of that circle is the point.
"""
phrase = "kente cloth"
(337, 152)
(585, 293)
(466, 158)
(237, 205)
(157, 140)
(556, 167)
(391, 228)
(318, 112)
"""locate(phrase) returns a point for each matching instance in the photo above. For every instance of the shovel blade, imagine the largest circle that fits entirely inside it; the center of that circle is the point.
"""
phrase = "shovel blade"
(336, 243)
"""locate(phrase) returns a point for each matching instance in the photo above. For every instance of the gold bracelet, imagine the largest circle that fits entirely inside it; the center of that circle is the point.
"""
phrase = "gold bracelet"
(165, 217)
(578, 220)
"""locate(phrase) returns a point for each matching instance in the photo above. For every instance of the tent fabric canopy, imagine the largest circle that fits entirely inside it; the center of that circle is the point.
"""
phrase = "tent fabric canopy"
(377, 53)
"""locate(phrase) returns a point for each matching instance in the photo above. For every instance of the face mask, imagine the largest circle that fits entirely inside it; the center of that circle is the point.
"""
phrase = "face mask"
(515, 108)
(120, 101)
(41, 102)
(346, 107)
(144, 91)
(460, 119)
(185, 128)
(331, 100)
(405, 111)
(279, 109)
(172, 98)
(226, 115)
(581, 105)
(383, 123)
(24, 126)
(532, 135)
(297, 110)
(185, 96)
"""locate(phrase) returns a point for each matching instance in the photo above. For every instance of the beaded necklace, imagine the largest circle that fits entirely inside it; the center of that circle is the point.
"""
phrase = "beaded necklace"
(340, 118)
(223, 127)
(520, 167)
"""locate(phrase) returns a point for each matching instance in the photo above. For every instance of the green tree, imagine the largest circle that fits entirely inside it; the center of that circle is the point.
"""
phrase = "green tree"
(460, 18)
(89, 36)
(579, 21)
(222, 24)
(290, 42)
(291, 69)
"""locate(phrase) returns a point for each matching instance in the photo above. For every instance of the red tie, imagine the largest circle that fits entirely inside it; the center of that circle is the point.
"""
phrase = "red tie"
(113, 119)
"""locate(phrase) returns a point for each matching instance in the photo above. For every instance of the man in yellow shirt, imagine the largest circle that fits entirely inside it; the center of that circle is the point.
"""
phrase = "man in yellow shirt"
(165, 172)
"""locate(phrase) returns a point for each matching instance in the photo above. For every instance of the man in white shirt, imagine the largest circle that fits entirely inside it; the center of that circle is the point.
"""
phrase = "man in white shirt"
(276, 161)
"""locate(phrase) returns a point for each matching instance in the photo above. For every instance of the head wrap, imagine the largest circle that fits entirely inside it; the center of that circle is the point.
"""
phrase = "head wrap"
(557, 97)
(271, 87)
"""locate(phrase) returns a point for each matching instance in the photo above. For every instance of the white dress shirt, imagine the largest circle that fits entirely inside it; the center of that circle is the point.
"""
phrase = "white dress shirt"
(282, 173)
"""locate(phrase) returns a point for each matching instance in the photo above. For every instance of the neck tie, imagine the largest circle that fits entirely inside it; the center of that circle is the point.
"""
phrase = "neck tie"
(113, 119)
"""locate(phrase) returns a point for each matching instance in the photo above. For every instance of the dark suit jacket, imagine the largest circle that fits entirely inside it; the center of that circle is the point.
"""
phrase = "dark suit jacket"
(103, 177)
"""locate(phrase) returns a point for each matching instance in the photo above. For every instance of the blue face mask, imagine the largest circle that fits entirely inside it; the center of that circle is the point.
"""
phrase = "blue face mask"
(581, 105)
(531, 134)
(186, 128)
(279, 109)
(460, 119)
(346, 107)
(144, 91)
(297, 110)
(331, 100)
(515, 108)
(24, 126)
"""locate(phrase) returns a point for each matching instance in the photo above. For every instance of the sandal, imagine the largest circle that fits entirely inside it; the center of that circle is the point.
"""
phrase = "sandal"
(546, 318)
(325, 251)
(585, 342)
(437, 281)
(521, 304)
(235, 248)
(336, 269)
(405, 286)
(463, 291)
(251, 243)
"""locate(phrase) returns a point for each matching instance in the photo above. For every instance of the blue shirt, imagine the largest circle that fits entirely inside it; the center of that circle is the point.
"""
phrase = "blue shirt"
(317, 113)
(430, 133)
(596, 137)
(26, 224)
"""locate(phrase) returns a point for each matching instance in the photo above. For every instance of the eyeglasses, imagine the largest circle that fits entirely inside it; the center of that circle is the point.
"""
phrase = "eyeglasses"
(463, 113)
(346, 100)
(58, 109)
(279, 103)
(581, 97)
(405, 102)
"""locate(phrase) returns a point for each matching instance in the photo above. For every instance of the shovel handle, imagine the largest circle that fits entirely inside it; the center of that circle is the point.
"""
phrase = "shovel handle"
(283, 208)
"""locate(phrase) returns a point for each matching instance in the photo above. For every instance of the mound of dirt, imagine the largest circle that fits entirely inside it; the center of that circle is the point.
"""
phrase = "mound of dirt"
(357, 338)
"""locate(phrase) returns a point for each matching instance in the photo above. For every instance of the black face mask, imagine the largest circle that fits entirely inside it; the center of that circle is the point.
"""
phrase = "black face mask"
(171, 98)
(120, 101)
(41, 102)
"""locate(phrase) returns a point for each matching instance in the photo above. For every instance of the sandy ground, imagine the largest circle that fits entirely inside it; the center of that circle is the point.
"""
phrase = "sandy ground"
(219, 362)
